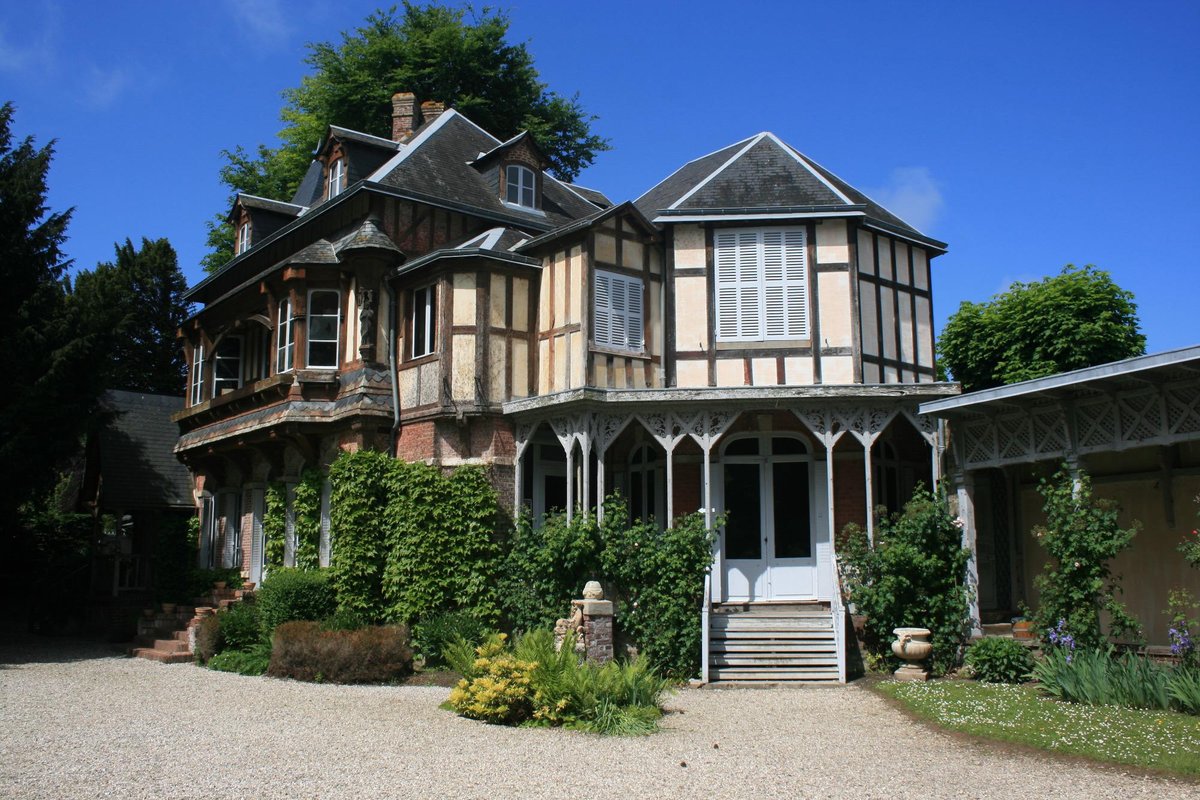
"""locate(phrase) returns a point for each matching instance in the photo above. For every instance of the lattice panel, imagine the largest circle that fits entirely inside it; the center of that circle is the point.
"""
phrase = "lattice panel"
(1096, 423)
(1141, 416)
(1049, 430)
(978, 442)
(606, 428)
(1014, 436)
(1183, 409)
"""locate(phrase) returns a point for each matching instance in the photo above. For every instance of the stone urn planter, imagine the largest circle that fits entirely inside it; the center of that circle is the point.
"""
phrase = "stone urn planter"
(913, 646)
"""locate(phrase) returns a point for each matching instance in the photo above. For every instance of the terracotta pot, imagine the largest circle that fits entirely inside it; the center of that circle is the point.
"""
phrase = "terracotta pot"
(1023, 629)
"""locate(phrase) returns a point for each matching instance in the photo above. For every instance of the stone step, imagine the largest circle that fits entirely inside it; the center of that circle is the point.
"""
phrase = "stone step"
(758, 675)
(160, 656)
(769, 624)
(998, 629)
(171, 645)
(775, 660)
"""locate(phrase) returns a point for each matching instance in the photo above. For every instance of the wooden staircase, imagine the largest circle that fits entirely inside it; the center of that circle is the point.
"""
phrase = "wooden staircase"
(772, 642)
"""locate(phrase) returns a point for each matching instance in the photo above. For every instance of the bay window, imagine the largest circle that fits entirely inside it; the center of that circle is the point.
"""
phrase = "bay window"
(285, 337)
(227, 365)
(424, 324)
(196, 379)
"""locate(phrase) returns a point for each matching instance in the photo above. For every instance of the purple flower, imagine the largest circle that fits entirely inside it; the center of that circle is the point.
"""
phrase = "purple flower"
(1181, 641)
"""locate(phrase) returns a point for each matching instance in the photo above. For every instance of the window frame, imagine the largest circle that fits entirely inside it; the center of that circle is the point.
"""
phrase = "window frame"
(196, 376)
(285, 338)
(751, 304)
(218, 359)
(620, 327)
(526, 183)
(337, 340)
(424, 343)
(243, 237)
(335, 181)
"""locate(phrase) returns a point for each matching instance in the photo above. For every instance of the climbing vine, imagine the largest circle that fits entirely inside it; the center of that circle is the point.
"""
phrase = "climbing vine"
(307, 506)
(274, 524)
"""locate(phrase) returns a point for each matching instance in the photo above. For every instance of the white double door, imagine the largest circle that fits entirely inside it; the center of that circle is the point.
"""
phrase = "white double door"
(775, 536)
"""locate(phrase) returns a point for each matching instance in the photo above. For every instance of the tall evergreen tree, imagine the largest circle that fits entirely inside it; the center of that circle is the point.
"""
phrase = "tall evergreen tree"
(438, 54)
(135, 302)
(51, 384)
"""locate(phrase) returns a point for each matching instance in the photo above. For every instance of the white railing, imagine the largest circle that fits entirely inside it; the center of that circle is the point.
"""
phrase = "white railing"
(704, 612)
(839, 622)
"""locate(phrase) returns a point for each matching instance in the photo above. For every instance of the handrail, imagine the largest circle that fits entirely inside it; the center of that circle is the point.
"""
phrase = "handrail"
(839, 621)
(704, 611)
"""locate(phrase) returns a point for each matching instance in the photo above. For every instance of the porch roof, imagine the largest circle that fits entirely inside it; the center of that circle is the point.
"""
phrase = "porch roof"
(740, 397)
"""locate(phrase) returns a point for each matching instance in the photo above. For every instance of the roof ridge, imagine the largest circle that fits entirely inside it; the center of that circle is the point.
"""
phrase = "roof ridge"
(698, 186)
(684, 166)
(803, 161)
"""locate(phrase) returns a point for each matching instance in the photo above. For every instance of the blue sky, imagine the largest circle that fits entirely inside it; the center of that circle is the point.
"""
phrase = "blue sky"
(1027, 135)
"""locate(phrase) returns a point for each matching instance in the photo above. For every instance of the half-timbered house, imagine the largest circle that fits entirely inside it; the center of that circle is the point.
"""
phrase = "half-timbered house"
(708, 346)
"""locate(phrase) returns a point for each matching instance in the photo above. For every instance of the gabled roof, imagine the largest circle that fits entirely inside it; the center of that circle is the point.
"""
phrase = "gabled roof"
(759, 177)
(499, 150)
(593, 196)
(586, 222)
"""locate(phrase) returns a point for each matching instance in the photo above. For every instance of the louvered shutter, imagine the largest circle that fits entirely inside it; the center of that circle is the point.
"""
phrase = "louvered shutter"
(633, 315)
(602, 320)
(617, 318)
(761, 280)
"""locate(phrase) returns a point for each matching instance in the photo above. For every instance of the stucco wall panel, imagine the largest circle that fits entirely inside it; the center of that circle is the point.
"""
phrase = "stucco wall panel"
(689, 247)
(835, 314)
(832, 243)
(464, 298)
(731, 372)
(691, 313)
(691, 373)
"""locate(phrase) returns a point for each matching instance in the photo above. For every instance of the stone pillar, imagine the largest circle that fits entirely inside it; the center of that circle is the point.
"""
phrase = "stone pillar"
(591, 623)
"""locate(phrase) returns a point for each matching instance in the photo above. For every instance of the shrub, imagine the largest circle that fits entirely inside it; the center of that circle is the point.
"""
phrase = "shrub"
(436, 632)
(914, 576)
(533, 681)
(344, 620)
(240, 627)
(304, 651)
(1081, 535)
(243, 662)
(208, 638)
(657, 578)
(499, 688)
(997, 660)
(547, 566)
(294, 594)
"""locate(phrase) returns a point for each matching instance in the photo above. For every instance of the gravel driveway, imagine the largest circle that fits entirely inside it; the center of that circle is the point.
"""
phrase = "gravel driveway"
(78, 722)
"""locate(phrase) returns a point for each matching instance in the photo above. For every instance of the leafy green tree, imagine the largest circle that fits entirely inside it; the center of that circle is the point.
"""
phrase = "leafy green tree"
(135, 303)
(438, 54)
(52, 383)
(1078, 318)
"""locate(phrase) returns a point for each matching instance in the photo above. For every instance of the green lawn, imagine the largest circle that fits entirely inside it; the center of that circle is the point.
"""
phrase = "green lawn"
(1161, 740)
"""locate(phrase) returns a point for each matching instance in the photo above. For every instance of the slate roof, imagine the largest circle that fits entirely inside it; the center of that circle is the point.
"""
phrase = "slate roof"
(266, 204)
(436, 162)
(498, 243)
(367, 236)
(762, 174)
(137, 464)
(593, 196)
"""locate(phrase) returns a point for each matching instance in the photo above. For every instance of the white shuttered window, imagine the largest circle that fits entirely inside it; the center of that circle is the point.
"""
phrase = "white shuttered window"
(617, 318)
(762, 284)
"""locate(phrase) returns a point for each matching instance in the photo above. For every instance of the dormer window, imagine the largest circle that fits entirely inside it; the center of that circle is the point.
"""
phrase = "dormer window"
(243, 238)
(337, 179)
(520, 186)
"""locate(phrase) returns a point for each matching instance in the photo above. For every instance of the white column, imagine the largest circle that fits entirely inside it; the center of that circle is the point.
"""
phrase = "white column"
(569, 447)
(600, 484)
(867, 447)
(585, 445)
(964, 486)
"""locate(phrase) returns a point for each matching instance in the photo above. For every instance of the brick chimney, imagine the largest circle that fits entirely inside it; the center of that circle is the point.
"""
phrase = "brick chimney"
(404, 107)
(431, 110)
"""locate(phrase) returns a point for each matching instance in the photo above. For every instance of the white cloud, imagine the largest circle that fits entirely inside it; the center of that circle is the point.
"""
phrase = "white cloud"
(261, 20)
(912, 194)
(102, 87)
(28, 47)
